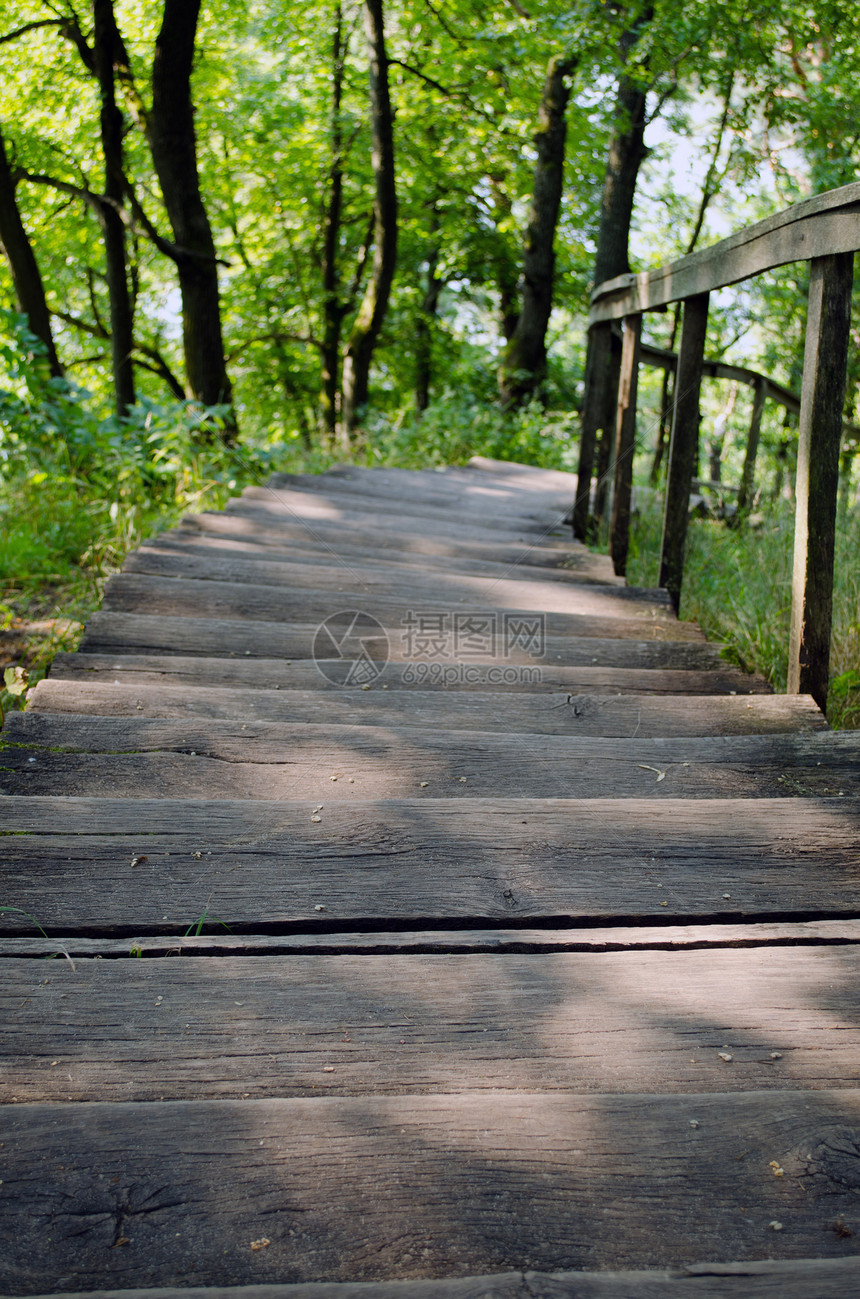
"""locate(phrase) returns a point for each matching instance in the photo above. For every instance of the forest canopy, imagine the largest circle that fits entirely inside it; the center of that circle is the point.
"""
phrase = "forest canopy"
(200, 194)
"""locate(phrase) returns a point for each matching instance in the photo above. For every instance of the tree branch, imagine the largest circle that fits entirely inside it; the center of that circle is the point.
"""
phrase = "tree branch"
(31, 27)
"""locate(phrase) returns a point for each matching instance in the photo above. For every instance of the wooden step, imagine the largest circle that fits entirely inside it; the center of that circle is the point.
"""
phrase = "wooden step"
(349, 540)
(502, 590)
(233, 1027)
(402, 1187)
(170, 687)
(143, 757)
(122, 634)
(424, 863)
(581, 567)
(591, 613)
(463, 515)
(272, 509)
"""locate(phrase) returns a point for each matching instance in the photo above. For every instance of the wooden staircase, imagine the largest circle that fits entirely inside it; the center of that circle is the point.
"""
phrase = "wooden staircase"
(523, 964)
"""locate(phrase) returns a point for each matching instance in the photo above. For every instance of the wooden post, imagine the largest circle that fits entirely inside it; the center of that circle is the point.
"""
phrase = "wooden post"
(747, 487)
(606, 447)
(821, 401)
(596, 371)
(625, 444)
(684, 447)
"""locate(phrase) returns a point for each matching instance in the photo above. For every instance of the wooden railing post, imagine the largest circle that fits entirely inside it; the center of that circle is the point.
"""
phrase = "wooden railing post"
(625, 444)
(821, 402)
(747, 487)
(684, 444)
(596, 358)
(598, 379)
(605, 468)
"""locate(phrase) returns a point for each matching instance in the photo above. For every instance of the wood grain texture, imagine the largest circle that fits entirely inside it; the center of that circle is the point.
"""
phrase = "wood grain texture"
(592, 613)
(169, 687)
(228, 1027)
(405, 1187)
(276, 507)
(343, 537)
(579, 567)
(498, 590)
(416, 863)
(825, 224)
(496, 507)
(144, 757)
(645, 673)
(763, 1279)
(222, 637)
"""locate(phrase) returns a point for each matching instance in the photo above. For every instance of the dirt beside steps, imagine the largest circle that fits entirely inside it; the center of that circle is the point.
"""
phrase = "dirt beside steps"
(396, 904)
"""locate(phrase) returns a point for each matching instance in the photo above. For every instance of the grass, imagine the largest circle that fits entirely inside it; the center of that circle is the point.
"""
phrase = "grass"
(737, 585)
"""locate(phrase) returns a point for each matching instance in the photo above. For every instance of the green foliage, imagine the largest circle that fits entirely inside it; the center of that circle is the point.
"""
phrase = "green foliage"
(80, 487)
(460, 424)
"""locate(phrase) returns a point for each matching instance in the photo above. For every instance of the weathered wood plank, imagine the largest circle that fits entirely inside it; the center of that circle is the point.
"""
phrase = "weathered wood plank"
(272, 506)
(161, 692)
(498, 502)
(275, 561)
(797, 1279)
(143, 758)
(226, 1027)
(501, 589)
(825, 224)
(553, 551)
(402, 1187)
(512, 469)
(385, 942)
(591, 612)
(420, 863)
(135, 633)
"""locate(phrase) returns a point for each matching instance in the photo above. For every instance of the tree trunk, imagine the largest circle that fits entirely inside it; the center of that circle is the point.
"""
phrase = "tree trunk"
(333, 308)
(524, 366)
(105, 48)
(626, 153)
(371, 313)
(26, 278)
(174, 152)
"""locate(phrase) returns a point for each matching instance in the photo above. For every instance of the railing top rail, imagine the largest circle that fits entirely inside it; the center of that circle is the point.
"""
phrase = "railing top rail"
(826, 223)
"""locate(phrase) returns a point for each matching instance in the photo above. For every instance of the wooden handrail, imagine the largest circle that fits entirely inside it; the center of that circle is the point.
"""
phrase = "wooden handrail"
(819, 226)
(824, 230)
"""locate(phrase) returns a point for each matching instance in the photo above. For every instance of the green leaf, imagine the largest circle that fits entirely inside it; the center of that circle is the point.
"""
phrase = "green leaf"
(846, 681)
(15, 681)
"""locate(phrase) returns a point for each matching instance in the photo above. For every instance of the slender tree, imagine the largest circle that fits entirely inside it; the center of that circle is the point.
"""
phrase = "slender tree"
(525, 357)
(170, 127)
(106, 54)
(333, 309)
(625, 156)
(371, 313)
